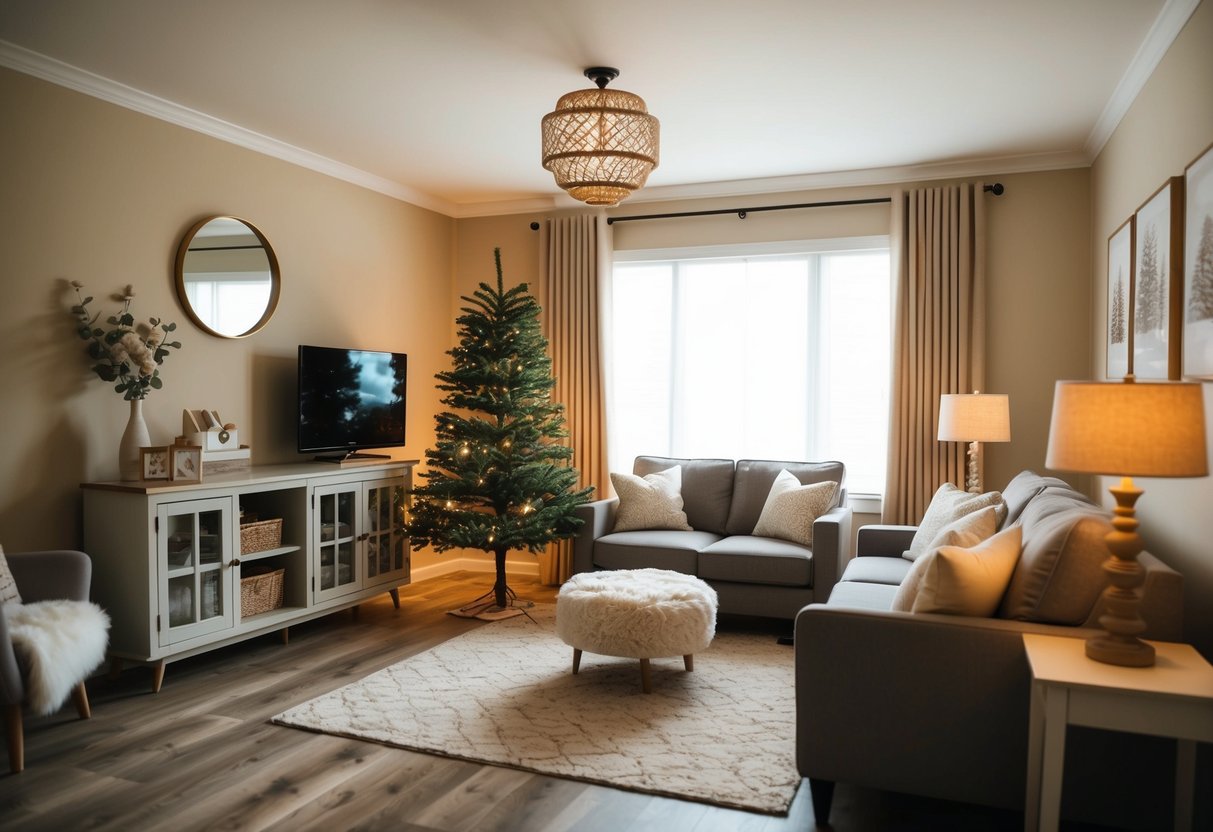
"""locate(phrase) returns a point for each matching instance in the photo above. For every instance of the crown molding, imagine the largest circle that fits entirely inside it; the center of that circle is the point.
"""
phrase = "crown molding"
(65, 75)
(993, 166)
(1167, 26)
(966, 168)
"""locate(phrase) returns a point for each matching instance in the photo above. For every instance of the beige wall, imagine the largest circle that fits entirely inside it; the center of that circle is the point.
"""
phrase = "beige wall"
(1169, 124)
(100, 194)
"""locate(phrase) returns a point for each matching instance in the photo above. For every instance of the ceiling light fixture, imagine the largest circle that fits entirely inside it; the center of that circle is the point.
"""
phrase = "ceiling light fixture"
(600, 144)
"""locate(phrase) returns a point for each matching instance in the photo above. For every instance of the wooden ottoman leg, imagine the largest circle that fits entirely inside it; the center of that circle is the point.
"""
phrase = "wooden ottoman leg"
(689, 661)
(645, 684)
(576, 660)
(16, 737)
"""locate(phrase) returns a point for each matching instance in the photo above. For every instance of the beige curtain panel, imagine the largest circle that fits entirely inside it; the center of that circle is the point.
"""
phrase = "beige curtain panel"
(576, 255)
(938, 257)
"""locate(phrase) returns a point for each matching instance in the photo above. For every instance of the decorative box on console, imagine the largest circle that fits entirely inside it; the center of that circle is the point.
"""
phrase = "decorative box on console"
(221, 448)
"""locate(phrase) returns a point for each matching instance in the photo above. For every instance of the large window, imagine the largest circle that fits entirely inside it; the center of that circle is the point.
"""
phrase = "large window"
(754, 354)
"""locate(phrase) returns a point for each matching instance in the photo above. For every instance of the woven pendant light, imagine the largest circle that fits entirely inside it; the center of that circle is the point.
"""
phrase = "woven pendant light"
(600, 144)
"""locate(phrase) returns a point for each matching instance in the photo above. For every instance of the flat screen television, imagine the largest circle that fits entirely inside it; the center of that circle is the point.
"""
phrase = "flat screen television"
(350, 401)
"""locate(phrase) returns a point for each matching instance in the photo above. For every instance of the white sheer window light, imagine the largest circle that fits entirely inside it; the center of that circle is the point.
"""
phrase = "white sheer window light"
(761, 352)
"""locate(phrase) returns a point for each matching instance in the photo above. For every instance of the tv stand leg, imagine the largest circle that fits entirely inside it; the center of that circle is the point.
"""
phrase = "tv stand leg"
(395, 593)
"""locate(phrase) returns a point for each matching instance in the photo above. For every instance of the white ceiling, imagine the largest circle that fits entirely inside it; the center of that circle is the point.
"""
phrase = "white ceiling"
(439, 101)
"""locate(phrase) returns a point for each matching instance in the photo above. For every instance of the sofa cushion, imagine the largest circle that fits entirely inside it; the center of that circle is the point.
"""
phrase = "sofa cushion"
(8, 587)
(1021, 489)
(791, 508)
(757, 560)
(659, 549)
(877, 570)
(959, 580)
(862, 596)
(1059, 576)
(753, 480)
(947, 505)
(653, 501)
(707, 487)
(968, 531)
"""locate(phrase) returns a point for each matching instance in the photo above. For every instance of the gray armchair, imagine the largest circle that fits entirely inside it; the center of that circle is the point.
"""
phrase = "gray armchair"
(40, 576)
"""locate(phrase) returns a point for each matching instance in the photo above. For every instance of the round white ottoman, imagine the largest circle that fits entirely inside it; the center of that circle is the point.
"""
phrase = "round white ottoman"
(636, 613)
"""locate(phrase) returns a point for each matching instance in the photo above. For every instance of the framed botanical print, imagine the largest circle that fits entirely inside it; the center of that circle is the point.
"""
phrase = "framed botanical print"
(1120, 283)
(1197, 312)
(186, 463)
(1157, 264)
(153, 463)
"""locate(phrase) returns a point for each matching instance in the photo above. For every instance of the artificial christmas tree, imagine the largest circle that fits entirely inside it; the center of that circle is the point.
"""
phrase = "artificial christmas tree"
(499, 478)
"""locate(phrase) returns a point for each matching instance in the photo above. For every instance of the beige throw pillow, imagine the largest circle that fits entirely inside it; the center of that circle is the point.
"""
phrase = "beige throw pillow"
(791, 508)
(967, 531)
(653, 501)
(8, 586)
(950, 504)
(969, 581)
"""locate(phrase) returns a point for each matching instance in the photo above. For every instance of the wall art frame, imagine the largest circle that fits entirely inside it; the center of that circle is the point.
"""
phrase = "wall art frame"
(1118, 333)
(1157, 268)
(1197, 309)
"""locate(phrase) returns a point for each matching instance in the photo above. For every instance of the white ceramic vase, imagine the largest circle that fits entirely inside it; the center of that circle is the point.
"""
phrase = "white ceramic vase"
(133, 438)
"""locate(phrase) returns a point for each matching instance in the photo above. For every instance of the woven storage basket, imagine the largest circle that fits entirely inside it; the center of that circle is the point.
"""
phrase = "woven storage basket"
(261, 593)
(257, 537)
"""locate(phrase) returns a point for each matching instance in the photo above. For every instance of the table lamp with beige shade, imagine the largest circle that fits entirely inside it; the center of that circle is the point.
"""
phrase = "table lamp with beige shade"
(974, 418)
(1127, 429)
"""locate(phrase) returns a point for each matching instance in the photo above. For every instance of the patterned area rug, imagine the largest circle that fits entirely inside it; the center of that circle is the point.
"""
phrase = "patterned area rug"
(504, 694)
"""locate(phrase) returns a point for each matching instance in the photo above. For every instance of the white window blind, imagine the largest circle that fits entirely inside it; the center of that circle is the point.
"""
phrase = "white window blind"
(754, 356)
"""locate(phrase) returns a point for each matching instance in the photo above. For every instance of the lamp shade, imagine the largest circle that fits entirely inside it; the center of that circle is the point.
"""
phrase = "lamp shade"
(974, 417)
(1130, 429)
(600, 144)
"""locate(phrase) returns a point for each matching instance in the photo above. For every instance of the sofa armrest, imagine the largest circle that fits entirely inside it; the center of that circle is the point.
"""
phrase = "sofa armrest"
(44, 576)
(597, 519)
(831, 549)
(886, 540)
(927, 704)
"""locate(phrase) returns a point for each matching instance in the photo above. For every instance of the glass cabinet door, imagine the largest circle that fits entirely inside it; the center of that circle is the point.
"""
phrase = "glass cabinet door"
(335, 540)
(386, 553)
(194, 554)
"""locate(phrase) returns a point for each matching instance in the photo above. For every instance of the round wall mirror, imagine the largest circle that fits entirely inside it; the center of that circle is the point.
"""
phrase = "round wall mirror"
(227, 277)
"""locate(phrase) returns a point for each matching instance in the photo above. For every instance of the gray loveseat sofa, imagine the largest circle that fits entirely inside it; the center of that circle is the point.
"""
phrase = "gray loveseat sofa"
(937, 705)
(723, 501)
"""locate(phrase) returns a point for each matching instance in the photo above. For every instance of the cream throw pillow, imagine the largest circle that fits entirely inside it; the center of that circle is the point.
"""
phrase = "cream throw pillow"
(960, 581)
(967, 531)
(653, 501)
(8, 586)
(791, 508)
(949, 504)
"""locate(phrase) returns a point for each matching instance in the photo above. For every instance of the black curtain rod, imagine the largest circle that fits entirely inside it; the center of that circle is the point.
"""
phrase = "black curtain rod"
(997, 189)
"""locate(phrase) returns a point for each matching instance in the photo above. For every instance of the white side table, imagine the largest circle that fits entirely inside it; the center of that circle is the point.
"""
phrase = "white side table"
(1174, 698)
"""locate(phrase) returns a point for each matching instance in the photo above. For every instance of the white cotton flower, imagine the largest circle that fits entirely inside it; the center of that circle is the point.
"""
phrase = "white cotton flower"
(139, 354)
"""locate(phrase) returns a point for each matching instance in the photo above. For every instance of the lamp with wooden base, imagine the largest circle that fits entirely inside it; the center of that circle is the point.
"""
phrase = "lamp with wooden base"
(1129, 428)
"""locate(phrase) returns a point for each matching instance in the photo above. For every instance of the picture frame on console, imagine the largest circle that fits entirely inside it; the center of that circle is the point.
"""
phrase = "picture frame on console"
(186, 463)
(1157, 263)
(1197, 310)
(1119, 330)
(154, 463)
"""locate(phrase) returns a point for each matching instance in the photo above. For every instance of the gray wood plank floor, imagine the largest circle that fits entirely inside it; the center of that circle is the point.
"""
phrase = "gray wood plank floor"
(201, 755)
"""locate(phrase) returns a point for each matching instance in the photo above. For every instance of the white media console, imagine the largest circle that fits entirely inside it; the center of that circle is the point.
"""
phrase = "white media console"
(167, 559)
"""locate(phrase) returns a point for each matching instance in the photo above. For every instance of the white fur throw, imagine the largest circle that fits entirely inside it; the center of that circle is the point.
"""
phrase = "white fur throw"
(636, 613)
(58, 643)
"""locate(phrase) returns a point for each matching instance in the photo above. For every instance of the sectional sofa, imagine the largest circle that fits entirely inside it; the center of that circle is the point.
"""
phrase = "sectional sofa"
(723, 500)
